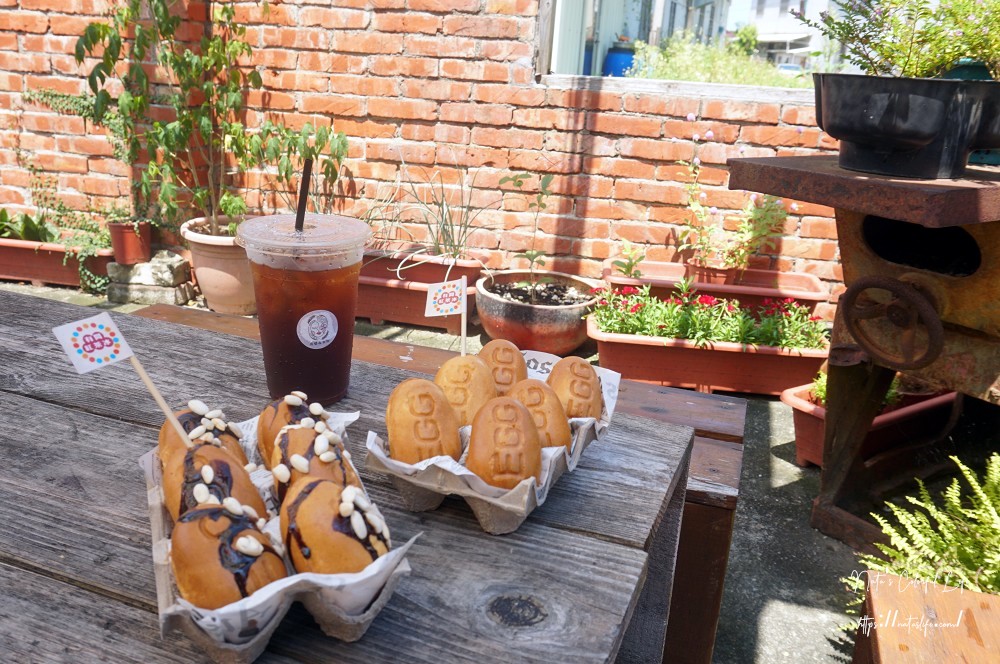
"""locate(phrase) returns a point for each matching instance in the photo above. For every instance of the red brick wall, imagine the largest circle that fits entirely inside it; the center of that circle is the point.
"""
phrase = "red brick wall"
(443, 85)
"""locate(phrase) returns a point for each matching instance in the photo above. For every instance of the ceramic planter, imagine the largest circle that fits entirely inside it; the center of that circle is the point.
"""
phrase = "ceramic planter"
(46, 263)
(750, 287)
(222, 270)
(908, 127)
(131, 245)
(896, 427)
(551, 329)
(393, 287)
(721, 366)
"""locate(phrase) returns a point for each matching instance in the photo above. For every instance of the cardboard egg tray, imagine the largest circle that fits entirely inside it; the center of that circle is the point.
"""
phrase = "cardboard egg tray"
(425, 485)
(344, 605)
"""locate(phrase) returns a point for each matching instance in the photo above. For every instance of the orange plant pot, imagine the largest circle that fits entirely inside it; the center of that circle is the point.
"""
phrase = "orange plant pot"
(750, 287)
(721, 366)
(46, 263)
(393, 287)
(890, 429)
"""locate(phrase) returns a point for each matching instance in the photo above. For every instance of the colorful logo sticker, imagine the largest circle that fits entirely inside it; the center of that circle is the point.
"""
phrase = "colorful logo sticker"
(92, 343)
(446, 298)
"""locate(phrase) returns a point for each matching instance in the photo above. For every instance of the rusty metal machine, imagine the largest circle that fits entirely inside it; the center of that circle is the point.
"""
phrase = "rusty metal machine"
(921, 262)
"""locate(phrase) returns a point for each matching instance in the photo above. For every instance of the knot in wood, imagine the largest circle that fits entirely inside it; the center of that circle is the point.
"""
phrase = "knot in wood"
(516, 611)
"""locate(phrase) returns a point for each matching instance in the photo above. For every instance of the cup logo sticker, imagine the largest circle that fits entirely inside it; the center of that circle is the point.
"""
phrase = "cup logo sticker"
(317, 329)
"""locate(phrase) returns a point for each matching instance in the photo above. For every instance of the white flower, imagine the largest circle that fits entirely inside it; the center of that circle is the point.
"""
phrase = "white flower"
(709, 135)
(691, 117)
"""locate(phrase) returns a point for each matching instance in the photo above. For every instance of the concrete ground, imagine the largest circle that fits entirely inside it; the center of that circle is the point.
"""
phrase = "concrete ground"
(783, 601)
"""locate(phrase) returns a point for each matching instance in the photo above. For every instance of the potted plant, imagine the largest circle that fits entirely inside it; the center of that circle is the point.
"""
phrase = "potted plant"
(539, 310)
(56, 245)
(718, 260)
(703, 342)
(896, 120)
(905, 416)
(421, 232)
(197, 154)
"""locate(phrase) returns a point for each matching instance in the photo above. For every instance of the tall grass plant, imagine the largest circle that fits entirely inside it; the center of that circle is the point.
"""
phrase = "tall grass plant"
(681, 58)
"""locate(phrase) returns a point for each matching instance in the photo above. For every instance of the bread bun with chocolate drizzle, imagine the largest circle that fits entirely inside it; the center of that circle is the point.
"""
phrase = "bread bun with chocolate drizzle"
(546, 411)
(292, 408)
(420, 423)
(506, 364)
(219, 556)
(578, 387)
(205, 475)
(301, 452)
(467, 383)
(332, 530)
(504, 447)
(202, 425)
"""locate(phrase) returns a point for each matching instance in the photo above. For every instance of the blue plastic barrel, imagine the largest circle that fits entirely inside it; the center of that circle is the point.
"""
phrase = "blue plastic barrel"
(618, 61)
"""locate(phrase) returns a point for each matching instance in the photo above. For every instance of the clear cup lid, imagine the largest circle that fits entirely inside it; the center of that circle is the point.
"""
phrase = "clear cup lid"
(321, 234)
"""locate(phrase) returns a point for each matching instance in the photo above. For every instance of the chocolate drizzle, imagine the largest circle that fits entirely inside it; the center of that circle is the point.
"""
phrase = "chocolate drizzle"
(233, 561)
(221, 486)
(338, 523)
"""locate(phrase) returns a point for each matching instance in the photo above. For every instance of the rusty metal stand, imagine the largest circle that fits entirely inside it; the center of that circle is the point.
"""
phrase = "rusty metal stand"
(921, 262)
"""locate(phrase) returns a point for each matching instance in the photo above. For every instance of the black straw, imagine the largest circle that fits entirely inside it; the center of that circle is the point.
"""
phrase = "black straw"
(300, 213)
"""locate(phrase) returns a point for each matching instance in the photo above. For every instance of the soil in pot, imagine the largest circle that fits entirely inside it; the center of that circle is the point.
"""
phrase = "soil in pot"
(544, 293)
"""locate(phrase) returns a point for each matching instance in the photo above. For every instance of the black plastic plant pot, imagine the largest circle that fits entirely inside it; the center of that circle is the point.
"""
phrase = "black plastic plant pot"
(907, 127)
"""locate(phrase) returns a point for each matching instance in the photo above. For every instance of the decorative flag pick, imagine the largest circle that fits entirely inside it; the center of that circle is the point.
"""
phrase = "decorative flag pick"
(447, 298)
(93, 343)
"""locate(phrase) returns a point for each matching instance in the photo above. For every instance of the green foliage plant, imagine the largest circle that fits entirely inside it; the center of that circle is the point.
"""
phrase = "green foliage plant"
(759, 224)
(745, 41)
(534, 256)
(628, 264)
(913, 38)
(705, 319)
(430, 216)
(683, 58)
(818, 391)
(23, 226)
(955, 542)
(196, 155)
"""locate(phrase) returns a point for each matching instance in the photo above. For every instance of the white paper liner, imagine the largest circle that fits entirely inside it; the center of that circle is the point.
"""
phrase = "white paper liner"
(424, 486)
(344, 605)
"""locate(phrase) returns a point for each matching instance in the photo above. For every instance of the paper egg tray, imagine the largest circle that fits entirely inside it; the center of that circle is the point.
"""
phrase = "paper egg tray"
(424, 486)
(239, 632)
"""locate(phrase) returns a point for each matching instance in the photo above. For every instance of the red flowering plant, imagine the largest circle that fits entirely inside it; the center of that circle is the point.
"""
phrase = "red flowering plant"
(704, 319)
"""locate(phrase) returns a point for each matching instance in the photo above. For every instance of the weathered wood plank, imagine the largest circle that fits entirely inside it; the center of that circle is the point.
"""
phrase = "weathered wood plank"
(42, 620)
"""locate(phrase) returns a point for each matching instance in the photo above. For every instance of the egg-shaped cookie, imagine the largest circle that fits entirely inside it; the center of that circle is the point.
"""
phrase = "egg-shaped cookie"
(328, 529)
(421, 423)
(467, 383)
(219, 557)
(578, 387)
(506, 364)
(206, 474)
(546, 411)
(504, 447)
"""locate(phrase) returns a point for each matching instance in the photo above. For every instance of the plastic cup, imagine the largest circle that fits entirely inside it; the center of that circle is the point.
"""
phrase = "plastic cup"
(306, 286)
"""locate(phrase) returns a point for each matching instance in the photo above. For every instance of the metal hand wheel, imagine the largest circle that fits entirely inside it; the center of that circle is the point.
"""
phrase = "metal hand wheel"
(894, 321)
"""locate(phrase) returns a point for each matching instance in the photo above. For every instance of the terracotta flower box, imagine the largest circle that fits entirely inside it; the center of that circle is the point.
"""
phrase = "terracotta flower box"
(719, 366)
(925, 414)
(750, 287)
(393, 287)
(46, 263)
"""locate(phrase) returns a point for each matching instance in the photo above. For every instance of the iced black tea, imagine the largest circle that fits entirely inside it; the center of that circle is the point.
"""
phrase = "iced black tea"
(306, 285)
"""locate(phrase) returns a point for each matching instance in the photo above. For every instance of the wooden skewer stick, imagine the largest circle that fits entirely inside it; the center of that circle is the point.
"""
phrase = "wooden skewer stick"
(160, 401)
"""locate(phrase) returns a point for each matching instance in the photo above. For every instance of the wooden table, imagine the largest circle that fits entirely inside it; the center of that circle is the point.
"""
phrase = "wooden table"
(713, 485)
(75, 563)
(920, 622)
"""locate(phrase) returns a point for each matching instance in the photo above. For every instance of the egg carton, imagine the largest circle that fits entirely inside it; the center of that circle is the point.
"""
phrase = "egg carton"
(344, 605)
(425, 485)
